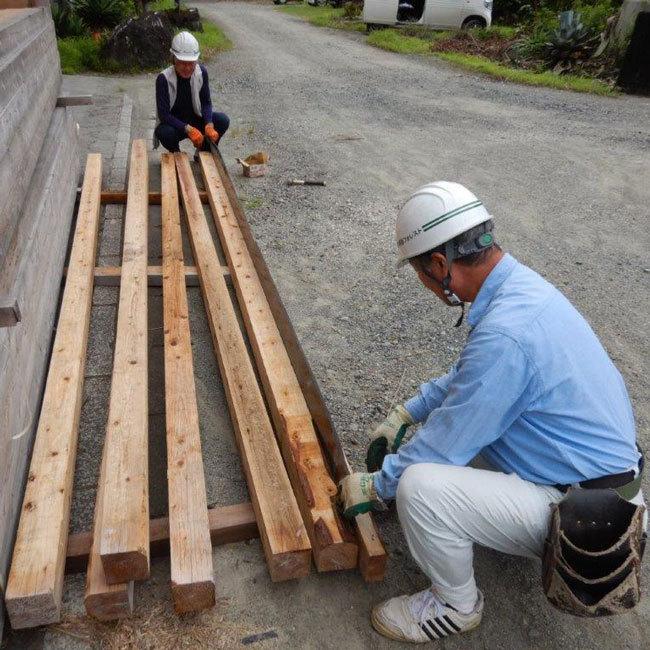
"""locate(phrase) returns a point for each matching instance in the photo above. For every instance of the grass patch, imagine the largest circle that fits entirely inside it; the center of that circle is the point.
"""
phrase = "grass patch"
(81, 54)
(254, 203)
(394, 40)
(422, 40)
(323, 17)
(547, 79)
(211, 40)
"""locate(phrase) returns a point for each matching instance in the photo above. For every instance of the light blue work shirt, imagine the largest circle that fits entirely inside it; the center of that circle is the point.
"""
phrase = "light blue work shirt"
(533, 392)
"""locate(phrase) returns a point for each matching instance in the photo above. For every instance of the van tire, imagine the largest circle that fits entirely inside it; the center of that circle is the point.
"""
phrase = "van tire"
(474, 22)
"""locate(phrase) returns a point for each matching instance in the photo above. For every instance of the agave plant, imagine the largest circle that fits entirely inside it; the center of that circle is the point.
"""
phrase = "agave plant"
(571, 41)
(99, 14)
(66, 21)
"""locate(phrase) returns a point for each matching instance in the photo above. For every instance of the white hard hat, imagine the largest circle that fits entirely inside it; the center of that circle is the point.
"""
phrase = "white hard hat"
(433, 215)
(185, 47)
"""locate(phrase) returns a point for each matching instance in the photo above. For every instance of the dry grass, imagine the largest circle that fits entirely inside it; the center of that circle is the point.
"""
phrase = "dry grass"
(155, 626)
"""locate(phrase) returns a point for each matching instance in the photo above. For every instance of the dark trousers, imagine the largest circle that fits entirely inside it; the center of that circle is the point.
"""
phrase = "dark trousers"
(170, 136)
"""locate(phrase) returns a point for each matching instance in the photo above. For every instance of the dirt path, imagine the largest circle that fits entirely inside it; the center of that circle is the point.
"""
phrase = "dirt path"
(565, 176)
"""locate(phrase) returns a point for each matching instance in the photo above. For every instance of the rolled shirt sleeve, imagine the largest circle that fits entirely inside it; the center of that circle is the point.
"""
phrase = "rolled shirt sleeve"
(430, 396)
(491, 385)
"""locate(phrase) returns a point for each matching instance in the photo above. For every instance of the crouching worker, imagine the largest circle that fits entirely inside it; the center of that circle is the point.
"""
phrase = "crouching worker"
(183, 100)
(536, 395)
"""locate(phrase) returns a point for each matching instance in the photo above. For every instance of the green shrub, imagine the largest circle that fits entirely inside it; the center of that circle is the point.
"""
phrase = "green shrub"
(79, 53)
(66, 21)
(101, 14)
(351, 10)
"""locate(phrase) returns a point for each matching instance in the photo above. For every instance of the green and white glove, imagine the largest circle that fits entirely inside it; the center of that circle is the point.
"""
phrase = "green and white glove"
(387, 437)
(357, 494)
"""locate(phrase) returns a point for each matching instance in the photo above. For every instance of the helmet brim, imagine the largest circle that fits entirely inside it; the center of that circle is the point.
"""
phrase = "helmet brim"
(186, 57)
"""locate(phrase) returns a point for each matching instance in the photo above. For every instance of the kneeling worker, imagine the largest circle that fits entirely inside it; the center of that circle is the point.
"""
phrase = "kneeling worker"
(183, 100)
(535, 394)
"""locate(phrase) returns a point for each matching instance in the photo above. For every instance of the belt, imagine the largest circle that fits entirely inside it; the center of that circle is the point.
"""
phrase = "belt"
(626, 484)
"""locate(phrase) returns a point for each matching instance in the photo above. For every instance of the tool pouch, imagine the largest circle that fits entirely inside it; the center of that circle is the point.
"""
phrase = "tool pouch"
(592, 555)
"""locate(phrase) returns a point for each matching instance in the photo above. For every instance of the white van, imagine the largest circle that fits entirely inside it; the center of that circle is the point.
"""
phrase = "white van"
(439, 14)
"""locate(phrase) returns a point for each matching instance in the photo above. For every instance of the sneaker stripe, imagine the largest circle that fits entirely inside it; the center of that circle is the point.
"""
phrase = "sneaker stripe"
(447, 630)
(453, 625)
(439, 632)
(426, 631)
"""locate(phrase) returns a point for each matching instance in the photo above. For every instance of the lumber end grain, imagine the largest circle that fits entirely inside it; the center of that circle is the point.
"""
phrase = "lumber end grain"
(193, 597)
(33, 610)
(336, 557)
(289, 566)
(126, 566)
(372, 554)
(111, 605)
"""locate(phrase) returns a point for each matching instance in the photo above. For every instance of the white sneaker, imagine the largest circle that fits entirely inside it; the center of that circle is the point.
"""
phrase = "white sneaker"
(423, 617)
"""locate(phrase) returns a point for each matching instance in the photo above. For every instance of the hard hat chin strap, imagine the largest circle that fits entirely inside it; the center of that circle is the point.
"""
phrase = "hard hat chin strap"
(452, 298)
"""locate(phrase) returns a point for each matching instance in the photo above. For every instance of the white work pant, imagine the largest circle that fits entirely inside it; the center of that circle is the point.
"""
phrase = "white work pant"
(445, 509)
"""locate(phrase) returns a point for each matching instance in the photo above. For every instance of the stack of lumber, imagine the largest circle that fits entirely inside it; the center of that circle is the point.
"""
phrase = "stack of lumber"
(39, 168)
(286, 457)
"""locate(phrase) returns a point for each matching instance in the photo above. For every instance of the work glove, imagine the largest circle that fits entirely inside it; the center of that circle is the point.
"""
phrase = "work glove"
(211, 133)
(195, 136)
(357, 494)
(387, 437)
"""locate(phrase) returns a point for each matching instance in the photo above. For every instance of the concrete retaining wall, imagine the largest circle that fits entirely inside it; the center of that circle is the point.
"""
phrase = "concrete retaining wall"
(39, 174)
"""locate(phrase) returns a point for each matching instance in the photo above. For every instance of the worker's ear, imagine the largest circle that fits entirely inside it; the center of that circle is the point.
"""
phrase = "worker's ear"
(437, 266)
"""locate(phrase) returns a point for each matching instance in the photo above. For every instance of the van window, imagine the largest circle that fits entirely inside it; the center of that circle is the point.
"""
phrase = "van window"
(410, 11)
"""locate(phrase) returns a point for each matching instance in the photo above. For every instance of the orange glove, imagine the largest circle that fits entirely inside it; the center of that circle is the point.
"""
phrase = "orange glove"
(195, 136)
(211, 133)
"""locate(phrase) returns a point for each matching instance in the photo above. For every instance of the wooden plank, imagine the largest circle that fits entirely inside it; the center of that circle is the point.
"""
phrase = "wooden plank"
(228, 524)
(109, 276)
(9, 312)
(34, 589)
(192, 577)
(74, 100)
(332, 543)
(124, 519)
(284, 538)
(372, 555)
(103, 601)
(115, 196)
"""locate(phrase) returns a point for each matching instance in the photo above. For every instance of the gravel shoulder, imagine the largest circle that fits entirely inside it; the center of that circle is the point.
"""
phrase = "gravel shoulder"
(565, 176)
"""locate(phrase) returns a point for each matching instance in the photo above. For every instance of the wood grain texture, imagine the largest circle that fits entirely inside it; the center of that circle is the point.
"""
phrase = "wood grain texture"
(124, 518)
(228, 524)
(372, 554)
(103, 601)
(192, 577)
(332, 543)
(284, 538)
(109, 276)
(34, 589)
(116, 196)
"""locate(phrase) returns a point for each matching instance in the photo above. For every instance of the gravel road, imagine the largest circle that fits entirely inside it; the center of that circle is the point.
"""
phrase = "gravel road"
(565, 176)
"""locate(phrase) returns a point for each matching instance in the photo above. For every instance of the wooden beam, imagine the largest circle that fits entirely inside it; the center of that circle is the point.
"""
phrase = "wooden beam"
(192, 577)
(9, 312)
(109, 276)
(372, 555)
(124, 518)
(116, 196)
(34, 589)
(103, 601)
(284, 538)
(228, 524)
(74, 100)
(332, 543)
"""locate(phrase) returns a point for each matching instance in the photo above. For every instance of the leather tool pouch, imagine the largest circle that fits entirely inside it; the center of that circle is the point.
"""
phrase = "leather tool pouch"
(592, 554)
